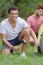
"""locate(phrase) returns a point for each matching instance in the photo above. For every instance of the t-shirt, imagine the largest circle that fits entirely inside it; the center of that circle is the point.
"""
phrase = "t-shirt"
(35, 23)
(12, 33)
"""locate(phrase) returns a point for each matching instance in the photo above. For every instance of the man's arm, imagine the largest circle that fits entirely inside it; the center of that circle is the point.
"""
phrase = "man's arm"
(34, 36)
(5, 41)
(29, 21)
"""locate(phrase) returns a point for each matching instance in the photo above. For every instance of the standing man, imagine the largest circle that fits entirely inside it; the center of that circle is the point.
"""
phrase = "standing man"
(35, 20)
(13, 30)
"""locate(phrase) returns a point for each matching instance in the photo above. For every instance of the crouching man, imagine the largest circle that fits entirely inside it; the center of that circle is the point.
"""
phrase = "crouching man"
(13, 30)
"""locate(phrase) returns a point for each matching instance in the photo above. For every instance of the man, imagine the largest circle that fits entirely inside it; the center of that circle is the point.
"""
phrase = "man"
(13, 30)
(35, 20)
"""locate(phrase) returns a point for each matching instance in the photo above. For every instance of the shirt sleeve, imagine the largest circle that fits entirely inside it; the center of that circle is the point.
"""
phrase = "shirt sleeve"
(29, 21)
(24, 24)
(2, 29)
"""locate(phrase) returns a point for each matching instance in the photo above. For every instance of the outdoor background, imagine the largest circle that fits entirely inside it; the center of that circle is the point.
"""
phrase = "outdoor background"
(26, 8)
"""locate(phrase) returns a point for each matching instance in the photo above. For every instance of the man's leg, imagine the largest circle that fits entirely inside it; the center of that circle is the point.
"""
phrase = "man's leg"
(28, 39)
(25, 33)
(38, 50)
(5, 50)
(34, 45)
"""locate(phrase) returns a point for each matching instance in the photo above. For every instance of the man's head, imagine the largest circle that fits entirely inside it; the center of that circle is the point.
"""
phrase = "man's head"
(39, 10)
(13, 13)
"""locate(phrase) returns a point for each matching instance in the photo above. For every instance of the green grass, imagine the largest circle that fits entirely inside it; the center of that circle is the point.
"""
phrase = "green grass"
(15, 59)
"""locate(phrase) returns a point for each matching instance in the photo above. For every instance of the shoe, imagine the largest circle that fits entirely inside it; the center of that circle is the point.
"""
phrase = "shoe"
(14, 52)
(23, 55)
(34, 54)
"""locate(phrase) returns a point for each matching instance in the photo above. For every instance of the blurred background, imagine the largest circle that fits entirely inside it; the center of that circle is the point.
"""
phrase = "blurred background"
(26, 7)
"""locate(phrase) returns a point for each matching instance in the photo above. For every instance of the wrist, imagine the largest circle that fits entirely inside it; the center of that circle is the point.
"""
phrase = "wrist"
(12, 48)
(36, 40)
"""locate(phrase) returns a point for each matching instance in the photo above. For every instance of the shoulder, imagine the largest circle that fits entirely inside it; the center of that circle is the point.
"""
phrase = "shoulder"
(20, 20)
(4, 21)
(30, 17)
(41, 17)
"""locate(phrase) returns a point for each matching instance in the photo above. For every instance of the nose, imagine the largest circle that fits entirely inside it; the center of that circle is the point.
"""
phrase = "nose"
(13, 14)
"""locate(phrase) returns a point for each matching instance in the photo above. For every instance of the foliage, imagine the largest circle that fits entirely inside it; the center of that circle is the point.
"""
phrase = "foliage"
(26, 7)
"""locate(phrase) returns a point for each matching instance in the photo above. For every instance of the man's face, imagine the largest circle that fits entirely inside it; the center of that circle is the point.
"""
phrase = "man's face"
(13, 15)
(39, 12)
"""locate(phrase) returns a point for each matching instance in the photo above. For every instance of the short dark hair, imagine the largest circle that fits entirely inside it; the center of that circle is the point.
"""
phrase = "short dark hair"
(39, 7)
(12, 8)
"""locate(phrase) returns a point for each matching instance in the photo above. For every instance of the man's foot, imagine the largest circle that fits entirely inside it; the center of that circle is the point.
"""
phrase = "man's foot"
(34, 54)
(12, 51)
(23, 55)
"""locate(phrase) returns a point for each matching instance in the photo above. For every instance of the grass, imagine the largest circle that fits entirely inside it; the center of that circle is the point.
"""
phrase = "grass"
(15, 59)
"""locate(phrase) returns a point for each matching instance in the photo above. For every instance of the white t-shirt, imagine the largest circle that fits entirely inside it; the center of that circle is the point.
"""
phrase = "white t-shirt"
(12, 33)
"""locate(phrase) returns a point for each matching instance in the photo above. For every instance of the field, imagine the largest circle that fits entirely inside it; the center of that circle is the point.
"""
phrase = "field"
(16, 59)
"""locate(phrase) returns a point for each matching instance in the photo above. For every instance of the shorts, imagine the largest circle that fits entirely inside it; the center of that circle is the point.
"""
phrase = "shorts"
(13, 42)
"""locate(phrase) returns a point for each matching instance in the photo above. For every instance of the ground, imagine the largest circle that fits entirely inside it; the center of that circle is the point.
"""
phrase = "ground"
(15, 59)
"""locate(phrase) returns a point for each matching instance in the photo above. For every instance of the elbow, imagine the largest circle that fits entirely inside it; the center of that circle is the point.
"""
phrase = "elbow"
(3, 40)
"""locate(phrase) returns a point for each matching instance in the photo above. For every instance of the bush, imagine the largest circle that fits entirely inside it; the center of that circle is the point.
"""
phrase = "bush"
(26, 7)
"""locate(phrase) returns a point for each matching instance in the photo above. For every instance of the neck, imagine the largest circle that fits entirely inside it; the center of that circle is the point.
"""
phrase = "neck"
(37, 16)
(12, 23)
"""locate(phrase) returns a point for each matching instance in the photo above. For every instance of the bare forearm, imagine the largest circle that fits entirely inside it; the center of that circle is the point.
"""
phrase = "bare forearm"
(33, 34)
(7, 43)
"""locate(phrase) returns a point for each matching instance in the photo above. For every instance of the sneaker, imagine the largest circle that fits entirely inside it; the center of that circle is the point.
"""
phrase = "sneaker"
(23, 55)
(34, 54)
(14, 52)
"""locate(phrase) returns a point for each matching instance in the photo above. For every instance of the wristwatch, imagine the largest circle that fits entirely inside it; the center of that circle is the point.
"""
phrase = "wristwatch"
(11, 50)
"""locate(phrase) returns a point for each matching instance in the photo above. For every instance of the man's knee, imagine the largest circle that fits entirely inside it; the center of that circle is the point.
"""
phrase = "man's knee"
(6, 51)
(26, 31)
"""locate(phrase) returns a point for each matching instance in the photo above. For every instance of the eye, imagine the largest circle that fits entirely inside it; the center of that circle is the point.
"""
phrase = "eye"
(12, 13)
(15, 13)
(40, 10)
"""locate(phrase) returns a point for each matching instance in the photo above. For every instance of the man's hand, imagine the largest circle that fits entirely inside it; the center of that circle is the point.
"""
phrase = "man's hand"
(37, 43)
(16, 48)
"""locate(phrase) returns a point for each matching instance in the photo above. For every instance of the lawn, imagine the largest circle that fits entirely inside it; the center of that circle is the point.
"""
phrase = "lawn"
(15, 59)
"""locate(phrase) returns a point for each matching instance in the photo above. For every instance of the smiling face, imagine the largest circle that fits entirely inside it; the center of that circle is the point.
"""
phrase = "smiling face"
(13, 15)
(38, 12)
